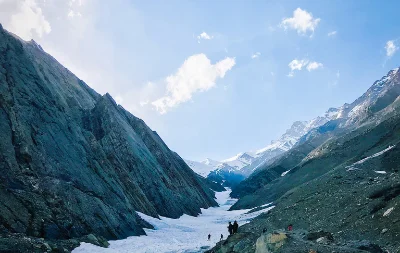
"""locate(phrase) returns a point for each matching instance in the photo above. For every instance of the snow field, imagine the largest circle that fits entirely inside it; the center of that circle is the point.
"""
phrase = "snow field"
(184, 235)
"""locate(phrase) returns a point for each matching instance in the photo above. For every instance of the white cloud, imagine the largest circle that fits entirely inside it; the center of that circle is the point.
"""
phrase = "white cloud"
(314, 65)
(204, 36)
(391, 48)
(24, 18)
(256, 55)
(72, 14)
(302, 21)
(297, 64)
(333, 33)
(303, 63)
(196, 74)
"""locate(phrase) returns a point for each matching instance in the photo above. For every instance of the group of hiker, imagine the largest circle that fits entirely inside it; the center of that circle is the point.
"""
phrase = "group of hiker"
(232, 228)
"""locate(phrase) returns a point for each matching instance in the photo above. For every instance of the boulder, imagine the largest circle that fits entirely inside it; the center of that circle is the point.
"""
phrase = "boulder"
(269, 243)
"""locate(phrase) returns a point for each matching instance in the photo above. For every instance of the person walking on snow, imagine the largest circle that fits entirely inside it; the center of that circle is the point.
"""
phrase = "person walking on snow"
(222, 237)
(235, 227)
(230, 228)
(209, 237)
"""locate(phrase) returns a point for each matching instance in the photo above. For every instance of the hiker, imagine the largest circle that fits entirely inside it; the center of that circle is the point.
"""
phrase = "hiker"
(209, 236)
(235, 227)
(264, 230)
(222, 237)
(230, 228)
(290, 227)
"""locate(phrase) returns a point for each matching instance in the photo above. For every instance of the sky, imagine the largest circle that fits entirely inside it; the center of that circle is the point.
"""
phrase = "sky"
(215, 78)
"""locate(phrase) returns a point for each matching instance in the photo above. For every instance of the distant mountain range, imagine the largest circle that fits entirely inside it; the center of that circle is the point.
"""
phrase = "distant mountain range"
(243, 164)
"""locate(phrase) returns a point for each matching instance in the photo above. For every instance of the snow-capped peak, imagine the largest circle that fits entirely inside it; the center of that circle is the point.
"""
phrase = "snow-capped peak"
(245, 156)
(210, 162)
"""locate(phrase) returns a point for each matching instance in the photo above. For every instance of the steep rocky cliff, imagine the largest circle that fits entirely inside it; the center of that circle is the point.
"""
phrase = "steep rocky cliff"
(73, 162)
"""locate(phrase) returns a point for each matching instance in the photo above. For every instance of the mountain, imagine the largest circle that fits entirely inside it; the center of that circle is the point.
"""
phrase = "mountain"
(74, 163)
(235, 163)
(199, 167)
(338, 186)
(230, 172)
(243, 164)
(286, 141)
(371, 107)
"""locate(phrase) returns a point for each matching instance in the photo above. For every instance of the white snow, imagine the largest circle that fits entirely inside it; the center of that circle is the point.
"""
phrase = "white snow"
(387, 212)
(351, 167)
(186, 234)
(200, 168)
(239, 161)
(374, 155)
(380, 171)
(357, 109)
(233, 158)
(235, 163)
(265, 205)
(284, 173)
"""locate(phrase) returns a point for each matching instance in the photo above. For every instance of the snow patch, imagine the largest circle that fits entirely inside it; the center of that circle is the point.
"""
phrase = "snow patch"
(284, 173)
(351, 167)
(387, 212)
(380, 171)
(265, 205)
(374, 155)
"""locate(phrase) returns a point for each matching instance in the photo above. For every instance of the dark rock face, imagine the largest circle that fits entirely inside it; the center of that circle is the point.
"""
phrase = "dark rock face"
(73, 162)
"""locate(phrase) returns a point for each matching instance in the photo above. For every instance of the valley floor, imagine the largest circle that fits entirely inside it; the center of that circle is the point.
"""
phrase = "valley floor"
(186, 234)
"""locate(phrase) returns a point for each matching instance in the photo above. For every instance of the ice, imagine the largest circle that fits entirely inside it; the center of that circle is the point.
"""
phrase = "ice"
(186, 234)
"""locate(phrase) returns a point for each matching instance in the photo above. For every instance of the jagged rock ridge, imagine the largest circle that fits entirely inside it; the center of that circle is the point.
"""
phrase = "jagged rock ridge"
(73, 162)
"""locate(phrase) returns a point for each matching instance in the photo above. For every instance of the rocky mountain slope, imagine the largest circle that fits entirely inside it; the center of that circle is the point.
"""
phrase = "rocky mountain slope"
(73, 162)
(339, 186)
(370, 107)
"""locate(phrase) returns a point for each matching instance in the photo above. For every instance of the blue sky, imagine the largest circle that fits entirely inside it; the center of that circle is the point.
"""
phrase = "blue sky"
(214, 78)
